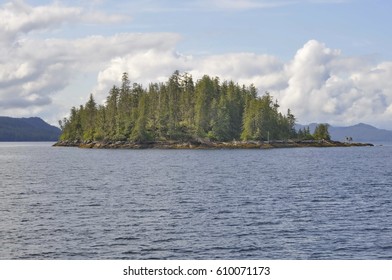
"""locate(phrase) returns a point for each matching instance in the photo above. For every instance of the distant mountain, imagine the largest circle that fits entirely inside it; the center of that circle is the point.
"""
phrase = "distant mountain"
(27, 129)
(360, 132)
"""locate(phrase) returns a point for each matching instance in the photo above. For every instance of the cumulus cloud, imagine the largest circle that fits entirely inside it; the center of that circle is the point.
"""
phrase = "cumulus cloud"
(46, 76)
(17, 17)
(319, 84)
(326, 86)
(38, 69)
(33, 70)
(244, 67)
(149, 58)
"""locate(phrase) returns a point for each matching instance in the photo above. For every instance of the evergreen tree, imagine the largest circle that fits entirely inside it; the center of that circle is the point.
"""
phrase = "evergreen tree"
(111, 113)
(321, 132)
(101, 124)
(139, 133)
(221, 128)
(89, 118)
(174, 92)
(124, 110)
(180, 110)
(187, 105)
(203, 96)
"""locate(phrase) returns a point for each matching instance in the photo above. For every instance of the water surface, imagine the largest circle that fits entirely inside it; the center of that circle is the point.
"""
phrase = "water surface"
(299, 203)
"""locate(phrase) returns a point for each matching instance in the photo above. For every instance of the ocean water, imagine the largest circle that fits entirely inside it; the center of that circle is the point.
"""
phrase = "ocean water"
(298, 203)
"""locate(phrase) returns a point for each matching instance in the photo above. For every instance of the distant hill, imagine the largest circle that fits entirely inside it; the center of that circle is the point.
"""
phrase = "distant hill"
(360, 132)
(27, 129)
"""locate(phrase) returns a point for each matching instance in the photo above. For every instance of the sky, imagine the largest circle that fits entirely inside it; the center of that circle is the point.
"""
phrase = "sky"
(327, 60)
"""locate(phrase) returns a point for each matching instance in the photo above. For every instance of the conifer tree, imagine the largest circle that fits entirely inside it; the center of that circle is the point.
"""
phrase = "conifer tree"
(139, 133)
(203, 95)
(89, 119)
(321, 132)
(181, 109)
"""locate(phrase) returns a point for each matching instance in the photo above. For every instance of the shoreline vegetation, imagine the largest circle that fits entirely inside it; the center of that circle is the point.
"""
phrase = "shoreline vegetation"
(183, 114)
(206, 144)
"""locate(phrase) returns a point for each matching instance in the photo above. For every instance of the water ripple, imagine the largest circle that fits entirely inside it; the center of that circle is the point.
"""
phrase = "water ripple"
(226, 204)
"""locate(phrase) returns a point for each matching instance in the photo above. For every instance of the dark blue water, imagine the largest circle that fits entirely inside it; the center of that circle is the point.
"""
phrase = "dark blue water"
(303, 203)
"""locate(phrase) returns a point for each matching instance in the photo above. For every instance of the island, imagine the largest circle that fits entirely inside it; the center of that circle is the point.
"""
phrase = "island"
(195, 144)
(183, 114)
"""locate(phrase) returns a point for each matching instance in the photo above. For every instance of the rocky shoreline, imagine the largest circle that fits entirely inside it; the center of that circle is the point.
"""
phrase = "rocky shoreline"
(206, 144)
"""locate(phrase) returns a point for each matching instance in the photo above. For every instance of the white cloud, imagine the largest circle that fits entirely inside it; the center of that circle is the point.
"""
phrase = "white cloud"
(150, 58)
(48, 76)
(17, 17)
(318, 84)
(307, 74)
(35, 71)
(246, 68)
(325, 86)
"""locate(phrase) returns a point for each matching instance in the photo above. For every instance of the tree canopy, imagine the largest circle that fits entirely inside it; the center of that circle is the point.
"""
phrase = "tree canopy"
(179, 109)
(321, 132)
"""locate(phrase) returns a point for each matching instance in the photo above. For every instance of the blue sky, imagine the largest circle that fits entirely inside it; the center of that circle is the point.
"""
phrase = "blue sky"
(329, 61)
(358, 27)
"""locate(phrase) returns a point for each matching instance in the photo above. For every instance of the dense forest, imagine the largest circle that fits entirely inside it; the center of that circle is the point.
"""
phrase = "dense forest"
(180, 109)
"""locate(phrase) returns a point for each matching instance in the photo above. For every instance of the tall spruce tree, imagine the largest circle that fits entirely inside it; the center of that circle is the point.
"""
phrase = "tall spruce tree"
(180, 109)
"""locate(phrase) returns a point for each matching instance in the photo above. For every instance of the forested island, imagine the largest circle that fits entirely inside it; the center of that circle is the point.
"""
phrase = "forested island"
(181, 113)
